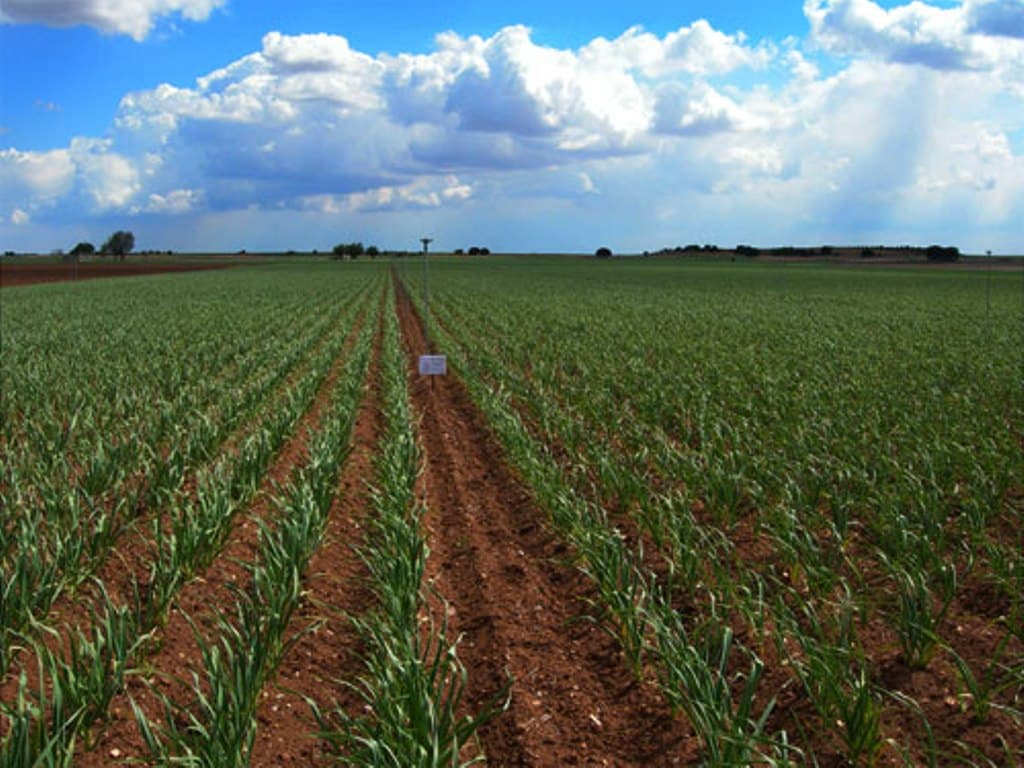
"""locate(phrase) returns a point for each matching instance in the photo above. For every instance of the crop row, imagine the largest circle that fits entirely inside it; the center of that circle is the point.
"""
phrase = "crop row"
(66, 691)
(54, 546)
(218, 726)
(871, 450)
(414, 683)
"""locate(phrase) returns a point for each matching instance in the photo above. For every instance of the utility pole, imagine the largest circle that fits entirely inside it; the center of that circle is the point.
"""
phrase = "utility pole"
(426, 293)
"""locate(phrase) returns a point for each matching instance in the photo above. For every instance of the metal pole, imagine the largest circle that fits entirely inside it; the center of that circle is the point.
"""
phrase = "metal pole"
(426, 294)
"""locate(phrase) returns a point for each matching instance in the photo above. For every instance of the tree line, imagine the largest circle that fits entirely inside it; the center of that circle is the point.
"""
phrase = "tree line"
(118, 245)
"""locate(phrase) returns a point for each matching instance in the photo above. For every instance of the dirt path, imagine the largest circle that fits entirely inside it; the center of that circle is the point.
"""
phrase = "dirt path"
(335, 585)
(178, 651)
(518, 604)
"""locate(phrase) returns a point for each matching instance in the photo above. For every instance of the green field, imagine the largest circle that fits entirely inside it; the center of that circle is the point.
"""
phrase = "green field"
(796, 492)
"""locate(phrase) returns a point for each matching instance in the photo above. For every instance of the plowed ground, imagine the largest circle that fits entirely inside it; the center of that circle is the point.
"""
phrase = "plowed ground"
(521, 608)
(29, 274)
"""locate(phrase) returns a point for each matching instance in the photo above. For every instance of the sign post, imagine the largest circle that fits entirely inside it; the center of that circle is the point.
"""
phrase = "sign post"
(426, 294)
(429, 365)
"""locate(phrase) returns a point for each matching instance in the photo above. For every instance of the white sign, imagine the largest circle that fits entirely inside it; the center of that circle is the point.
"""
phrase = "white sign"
(433, 365)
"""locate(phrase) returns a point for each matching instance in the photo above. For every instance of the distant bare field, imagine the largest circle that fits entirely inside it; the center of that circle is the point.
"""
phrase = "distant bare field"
(27, 273)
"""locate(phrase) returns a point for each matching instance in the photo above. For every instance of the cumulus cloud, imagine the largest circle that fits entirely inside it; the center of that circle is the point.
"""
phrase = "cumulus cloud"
(697, 111)
(19, 217)
(134, 18)
(308, 126)
(976, 35)
(177, 201)
(698, 49)
(36, 176)
(107, 178)
(307, 116)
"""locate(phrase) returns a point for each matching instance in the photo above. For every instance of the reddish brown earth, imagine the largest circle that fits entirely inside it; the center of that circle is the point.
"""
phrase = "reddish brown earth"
(28, 274)
(520, 607)
(178, 651)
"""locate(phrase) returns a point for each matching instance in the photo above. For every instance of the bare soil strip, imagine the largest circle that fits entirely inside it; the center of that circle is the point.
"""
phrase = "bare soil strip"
(519, 607)
(179, 651)
(30, 274)
(335, 586)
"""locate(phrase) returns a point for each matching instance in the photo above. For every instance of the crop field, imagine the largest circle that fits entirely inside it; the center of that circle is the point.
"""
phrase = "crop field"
(658, 512)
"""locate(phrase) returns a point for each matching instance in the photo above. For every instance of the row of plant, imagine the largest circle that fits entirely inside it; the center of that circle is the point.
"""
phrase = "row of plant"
(699, 667)
(86, 445)
(701, 407)
(131, 381)
(50, 554)
(55, 545)
(414, 683)
(70, 672)
(217, 726)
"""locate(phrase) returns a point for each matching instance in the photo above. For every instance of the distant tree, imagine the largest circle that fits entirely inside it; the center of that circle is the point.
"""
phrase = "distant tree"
(747, 250)
(603, 252)
(83, 249)
(458, 252)
(119, 244)
(373, 252)
(352, 250)
(940, 253)
(867, 253)
(826, 250)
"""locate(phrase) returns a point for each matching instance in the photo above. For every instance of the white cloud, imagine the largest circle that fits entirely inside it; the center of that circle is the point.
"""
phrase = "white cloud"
(38, 177)
(978, 35)
(19, 217)
(697, 49)
(308, 116)
(134, 18)
(421, 194)
(697, 111)
(109, 179)
(177, 201)
(308, 127)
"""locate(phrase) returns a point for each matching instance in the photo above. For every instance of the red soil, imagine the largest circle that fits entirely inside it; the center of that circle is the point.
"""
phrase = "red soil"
(28, 274)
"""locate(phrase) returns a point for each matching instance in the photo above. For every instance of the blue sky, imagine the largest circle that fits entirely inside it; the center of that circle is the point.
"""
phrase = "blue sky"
(229, 124)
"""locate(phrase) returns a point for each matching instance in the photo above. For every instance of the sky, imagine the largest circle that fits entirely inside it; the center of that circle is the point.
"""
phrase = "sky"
(220, 125)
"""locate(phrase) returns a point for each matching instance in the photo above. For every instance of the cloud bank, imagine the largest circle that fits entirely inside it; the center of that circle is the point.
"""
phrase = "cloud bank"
(134, 18)
(640, 136)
